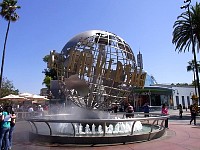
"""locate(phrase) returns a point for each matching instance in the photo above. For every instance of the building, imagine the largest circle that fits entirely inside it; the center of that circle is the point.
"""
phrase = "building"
(158, 94)
(181, 94)
(44, 92)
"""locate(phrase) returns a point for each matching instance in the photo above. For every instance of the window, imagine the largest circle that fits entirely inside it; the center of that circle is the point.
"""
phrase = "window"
(188, 100)
(183, 101)
(177, 100)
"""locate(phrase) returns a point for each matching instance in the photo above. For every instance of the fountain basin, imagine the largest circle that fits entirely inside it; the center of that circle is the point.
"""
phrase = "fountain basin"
(153, 129)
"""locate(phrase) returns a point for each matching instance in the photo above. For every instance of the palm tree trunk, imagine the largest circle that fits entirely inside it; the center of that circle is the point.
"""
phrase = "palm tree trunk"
(3, 56)
(195, 82)
(194, 53)
(196, 69)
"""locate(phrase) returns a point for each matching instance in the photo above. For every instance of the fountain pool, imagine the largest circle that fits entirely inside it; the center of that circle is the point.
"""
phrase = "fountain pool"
(97, 131)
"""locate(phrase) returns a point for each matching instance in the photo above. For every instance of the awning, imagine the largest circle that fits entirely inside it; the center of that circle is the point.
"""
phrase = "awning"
(153, 90)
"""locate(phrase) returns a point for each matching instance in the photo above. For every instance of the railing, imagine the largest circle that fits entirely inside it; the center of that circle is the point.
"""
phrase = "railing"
(25, 115)
(153, 120)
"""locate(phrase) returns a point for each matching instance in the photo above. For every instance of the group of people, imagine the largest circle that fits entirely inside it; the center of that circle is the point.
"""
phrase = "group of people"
(129, 111)
(193, 111)
(7, 125)
(40, 110)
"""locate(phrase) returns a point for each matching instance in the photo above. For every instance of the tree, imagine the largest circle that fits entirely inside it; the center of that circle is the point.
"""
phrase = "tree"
(182, 29)
(50, 74)
(47, 81)
(8, 8)
(8, 88)
(191, 67)
(186, 33)
(46, 58)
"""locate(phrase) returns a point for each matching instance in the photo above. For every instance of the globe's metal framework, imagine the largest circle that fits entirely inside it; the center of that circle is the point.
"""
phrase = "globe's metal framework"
(97, 68)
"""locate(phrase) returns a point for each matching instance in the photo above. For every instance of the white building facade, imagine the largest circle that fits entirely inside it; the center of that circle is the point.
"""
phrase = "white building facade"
(182, 95)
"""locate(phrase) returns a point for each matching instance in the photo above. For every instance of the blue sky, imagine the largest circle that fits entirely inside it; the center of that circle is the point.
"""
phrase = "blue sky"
(46, 25)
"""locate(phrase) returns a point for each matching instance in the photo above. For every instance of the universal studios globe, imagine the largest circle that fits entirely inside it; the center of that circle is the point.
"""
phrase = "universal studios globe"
(97, 68)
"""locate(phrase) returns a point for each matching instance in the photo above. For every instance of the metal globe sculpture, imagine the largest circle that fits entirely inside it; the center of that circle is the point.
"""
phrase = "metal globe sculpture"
(97, 68)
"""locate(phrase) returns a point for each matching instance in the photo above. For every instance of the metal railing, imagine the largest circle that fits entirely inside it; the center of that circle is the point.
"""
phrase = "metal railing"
(153, 120)
(25, 115)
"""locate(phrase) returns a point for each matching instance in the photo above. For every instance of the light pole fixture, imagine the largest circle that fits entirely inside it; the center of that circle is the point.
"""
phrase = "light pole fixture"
(187, 6)
(149, 93)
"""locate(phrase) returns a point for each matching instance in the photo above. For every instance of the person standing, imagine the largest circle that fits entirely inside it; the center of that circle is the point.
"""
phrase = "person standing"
(129, 111)
(164, 111)
(146, 110)
(180, 111)
(115, 108)
(5, 127)
(40, 110)
(31, 111)
(12, 126)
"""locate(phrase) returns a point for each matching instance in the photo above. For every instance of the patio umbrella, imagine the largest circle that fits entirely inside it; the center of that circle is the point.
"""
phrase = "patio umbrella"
(37, 98)
(13, 98)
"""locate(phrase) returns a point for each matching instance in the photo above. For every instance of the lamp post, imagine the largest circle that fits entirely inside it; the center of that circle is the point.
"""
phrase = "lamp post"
(187, 6)
(149, 93)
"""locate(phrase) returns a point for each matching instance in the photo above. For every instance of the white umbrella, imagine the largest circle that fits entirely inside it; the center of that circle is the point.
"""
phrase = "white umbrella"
(13, 98)
(36, 97)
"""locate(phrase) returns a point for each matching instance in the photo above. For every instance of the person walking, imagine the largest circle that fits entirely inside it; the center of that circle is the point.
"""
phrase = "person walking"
(164, 111)
(193, 112)
(180, 110)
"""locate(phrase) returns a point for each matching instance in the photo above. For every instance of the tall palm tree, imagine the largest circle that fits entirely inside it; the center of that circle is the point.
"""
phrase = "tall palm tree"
(191, 67)
(186, 33)
(8, 8)
(182, 29)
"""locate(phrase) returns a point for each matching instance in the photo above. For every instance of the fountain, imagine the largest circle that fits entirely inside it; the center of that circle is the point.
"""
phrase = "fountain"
(94, 69)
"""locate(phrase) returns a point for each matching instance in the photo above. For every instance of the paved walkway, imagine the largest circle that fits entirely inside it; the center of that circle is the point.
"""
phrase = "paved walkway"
(180, 136)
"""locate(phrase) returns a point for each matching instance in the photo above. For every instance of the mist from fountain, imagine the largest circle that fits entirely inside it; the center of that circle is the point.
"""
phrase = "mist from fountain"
(76, 113)
(92, 129)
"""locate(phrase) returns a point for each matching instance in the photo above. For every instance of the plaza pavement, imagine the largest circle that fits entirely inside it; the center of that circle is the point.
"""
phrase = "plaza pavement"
(180, 136)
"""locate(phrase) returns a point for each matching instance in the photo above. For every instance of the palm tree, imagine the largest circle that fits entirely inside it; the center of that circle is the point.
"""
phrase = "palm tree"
(191, 67)
(8, 8)
(182, 29)
(186, 33)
